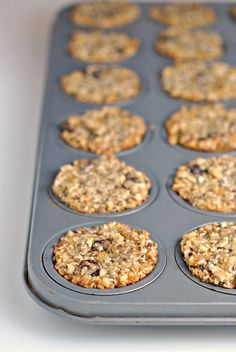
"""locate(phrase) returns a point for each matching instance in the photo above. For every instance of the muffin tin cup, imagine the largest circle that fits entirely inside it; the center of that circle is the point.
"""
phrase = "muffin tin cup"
(51, 271)
(169, 295)
(183, 267)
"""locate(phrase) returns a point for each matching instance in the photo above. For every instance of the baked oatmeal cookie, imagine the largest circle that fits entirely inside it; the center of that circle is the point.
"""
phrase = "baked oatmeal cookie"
(184, 45)
(101, 185)
(208, 128)
(105, 256)
(102, 84)
(100, 47)
(210, 253)
(105, 14)
(108, 130)
(200, 81)
(183, 15)
(208, 184)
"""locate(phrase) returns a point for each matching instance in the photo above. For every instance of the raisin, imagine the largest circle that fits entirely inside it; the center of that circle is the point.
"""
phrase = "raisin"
(97, 74)
(87, 262)
(195, 169)
(120, 50)
(96, 273)
(97, 243)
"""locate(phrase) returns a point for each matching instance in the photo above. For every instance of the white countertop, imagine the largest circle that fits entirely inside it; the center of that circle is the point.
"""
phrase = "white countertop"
(24, 326)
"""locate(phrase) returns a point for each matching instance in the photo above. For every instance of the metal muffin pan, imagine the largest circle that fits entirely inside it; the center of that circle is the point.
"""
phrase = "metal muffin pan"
(169, 295)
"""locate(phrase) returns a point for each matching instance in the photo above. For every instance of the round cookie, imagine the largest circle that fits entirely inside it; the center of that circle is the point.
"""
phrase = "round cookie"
(102, 84)
(200, 81)
(102, 185)
(105, 256)
(105, 14)
(208, 184)
(183, 45)
(208, 128)
(183, 15)
(108, 130)
(100, 47)
(210, 253)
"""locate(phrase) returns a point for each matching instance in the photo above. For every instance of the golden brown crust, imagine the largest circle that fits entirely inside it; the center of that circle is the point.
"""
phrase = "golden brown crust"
(105, 14)
(102, 84)
(108, 130)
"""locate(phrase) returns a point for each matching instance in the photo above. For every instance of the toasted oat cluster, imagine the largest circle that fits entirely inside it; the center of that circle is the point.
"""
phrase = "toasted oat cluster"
(233, 12)
(101, 185)
(108, 130)
(105, 14)
(200, 81)
(183, 14)
(102, 84)
(208, 128)
(100, 47)
(210, 253)
(183, 45)
(106, 256)
(208, 184)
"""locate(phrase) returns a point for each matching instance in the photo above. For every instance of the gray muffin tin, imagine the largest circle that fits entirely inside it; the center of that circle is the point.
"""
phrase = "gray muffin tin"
(169, 295)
